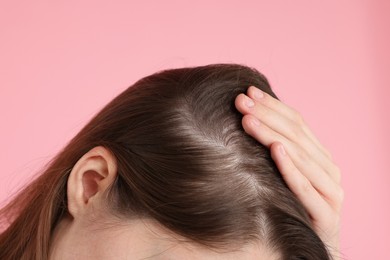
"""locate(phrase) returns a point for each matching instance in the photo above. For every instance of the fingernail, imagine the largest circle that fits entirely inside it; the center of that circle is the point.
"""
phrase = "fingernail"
(258, 93)
(249, 102)
(282, 150)
(255, 122)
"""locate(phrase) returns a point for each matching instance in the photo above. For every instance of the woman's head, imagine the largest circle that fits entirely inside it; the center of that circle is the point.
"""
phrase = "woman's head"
(173, 151)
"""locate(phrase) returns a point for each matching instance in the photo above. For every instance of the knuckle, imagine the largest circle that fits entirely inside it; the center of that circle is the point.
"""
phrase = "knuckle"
(328, 154)
(266, 113)
(330, 223)
(337, 173)
(337, 199)
(341, 195)
(302, 155)
(337, 170)
(297, 117)
(296, 132)
(246, 123)
(329, 220)
(305, 187)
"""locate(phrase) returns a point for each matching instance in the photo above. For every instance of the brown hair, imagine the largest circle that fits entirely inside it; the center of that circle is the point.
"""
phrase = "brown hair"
(183, 159)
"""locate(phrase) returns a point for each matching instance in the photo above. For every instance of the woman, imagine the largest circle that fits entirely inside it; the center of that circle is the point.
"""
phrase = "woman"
(167, 171)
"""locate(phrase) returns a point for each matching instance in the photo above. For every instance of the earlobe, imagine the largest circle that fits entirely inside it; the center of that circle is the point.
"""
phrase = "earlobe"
(90, 177)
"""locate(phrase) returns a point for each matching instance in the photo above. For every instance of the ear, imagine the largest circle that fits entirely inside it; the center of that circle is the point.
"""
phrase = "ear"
(90, 177)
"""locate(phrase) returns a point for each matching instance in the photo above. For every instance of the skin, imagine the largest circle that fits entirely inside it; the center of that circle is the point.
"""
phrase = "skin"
(305, 165)
(89, 231)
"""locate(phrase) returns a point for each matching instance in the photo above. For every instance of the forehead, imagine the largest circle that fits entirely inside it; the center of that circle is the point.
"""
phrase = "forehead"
(180, 251)
(145, 239)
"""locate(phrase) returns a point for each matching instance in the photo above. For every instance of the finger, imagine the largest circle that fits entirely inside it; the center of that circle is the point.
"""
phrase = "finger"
(285, 110)
(324, 219)
(261, 96)
(277, 118)
(321, 181)
(289, 129)
(313, 202)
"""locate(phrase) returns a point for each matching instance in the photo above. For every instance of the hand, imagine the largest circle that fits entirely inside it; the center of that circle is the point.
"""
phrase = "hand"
(304, 163)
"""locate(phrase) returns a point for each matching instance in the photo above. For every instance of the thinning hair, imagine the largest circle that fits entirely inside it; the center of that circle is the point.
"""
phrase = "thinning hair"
(184, 160)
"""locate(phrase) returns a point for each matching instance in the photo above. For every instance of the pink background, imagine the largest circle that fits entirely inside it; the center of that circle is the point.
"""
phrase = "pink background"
(61, 61)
